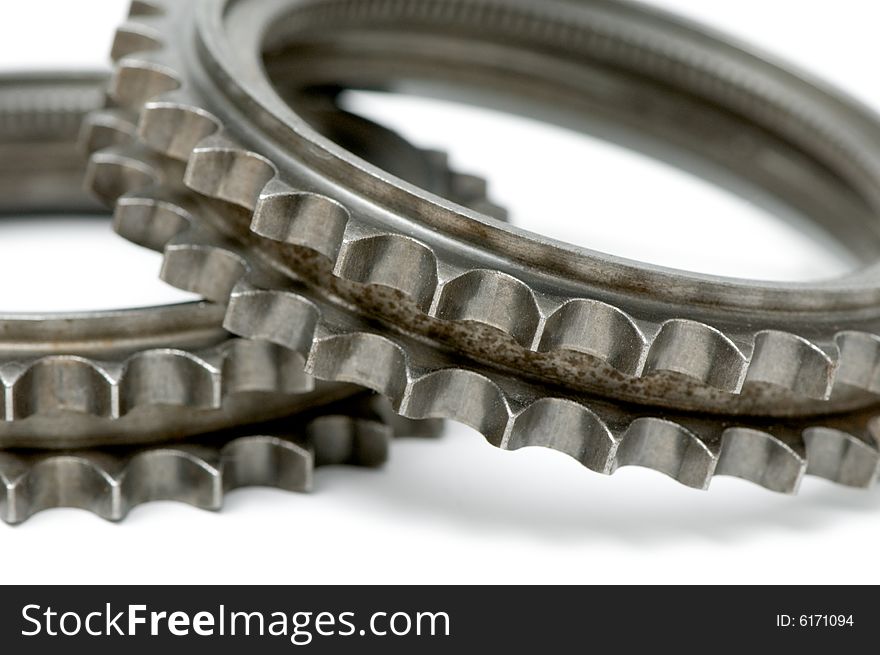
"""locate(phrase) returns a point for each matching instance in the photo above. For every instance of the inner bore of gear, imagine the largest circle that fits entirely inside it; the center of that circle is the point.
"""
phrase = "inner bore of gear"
(325, 72)
(321, 53)
(330, 48)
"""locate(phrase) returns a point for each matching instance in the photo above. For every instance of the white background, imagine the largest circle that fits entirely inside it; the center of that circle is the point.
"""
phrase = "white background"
(457, 510)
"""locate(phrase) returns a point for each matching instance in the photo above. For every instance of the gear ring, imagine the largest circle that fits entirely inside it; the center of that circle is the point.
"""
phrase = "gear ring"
(117, 377)
(41, 171)
(110, 481)
(422, 382)
(576, 319)
(142, 375)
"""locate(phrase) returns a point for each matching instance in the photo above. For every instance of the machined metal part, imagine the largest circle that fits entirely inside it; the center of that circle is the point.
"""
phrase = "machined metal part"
(453, 314)
(510, 412)
(110, 481)
(507, 298)
(101, 381)
(117, 377)
(91, 394)
(142, 375)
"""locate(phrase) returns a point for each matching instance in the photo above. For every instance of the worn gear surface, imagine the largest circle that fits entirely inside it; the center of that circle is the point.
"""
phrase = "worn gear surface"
(115, 377)
(512, 413)
(586, 322)
(339, 344)
(424, 301)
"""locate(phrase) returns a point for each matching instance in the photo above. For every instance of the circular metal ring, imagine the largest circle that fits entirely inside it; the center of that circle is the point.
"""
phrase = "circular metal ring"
(561, 314)
(117, 377)
(225, 150)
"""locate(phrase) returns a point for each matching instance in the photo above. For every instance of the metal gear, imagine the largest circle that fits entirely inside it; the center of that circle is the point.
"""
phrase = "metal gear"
(59, 370)
(110, 481)
(511, 413)
(561, 315)
(388, 286)
(117, 377)
(141, 375)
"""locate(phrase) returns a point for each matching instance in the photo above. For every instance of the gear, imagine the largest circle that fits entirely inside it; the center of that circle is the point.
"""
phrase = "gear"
(142, 375)
(421, 382)
(87, 387)
(405, 259)
(561, 315)
(117, 377)
(111, 481)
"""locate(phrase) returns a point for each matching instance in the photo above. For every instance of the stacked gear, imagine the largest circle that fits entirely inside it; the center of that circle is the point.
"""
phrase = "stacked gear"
(107, 409)
(335, 258)
(452, 313)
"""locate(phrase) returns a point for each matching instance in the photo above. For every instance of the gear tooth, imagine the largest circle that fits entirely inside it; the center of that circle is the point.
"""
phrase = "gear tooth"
(188, 475)
(568, 427)
(596, 329)
(762, 458)
(841, 457)
(282, 318)
(109, 484)
(150, 220)
(298, 218)
(135, 36)
(858, 362)
(347, 440)
(267, 461)
(141, 77)
(57, 384)
(493, 299)
(13, 504)
(168, 377)
(392, 261)
(360, 358)
(209, 269)
(67, 481)
(106, 128)
(173, 124)
(669, 448)
(251, 366)
(117, 170)
(229, 173)
(697, 351)
(438, 159)
(332, 440)
(467, 188)
(786, 360)
(147, 8)
(372, 443)
(403, 426)
(462, 396)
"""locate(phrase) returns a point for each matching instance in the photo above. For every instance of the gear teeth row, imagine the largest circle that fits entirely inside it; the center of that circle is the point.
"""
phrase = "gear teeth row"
(172, 123)
(282, 214)
(110, 482)
(601, 441)
(490, 298)
(57, 384)
(131, 376)
(601, 437)
(508, 414)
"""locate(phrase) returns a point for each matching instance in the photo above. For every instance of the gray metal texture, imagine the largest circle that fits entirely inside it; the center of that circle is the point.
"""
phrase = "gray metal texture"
(453, 313)
(113, 377)
(110, 481)
(86, 387)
